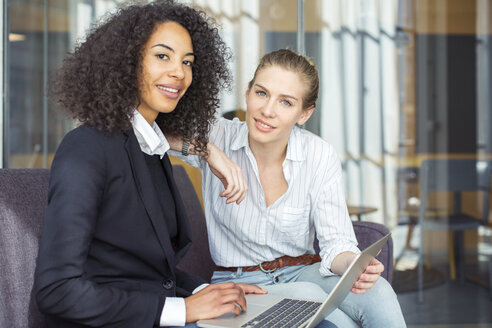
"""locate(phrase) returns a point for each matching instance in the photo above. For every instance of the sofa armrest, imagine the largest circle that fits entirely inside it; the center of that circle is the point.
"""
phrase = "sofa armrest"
(22, 205)
(367, 233)
(197, 260)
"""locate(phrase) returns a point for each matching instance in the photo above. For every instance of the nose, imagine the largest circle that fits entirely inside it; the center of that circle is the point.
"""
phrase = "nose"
(268, 109)
(176, 70)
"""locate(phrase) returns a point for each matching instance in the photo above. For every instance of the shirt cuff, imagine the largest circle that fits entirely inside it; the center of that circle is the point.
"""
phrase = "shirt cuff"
(174, 312)
(193, 160)
(199, 288)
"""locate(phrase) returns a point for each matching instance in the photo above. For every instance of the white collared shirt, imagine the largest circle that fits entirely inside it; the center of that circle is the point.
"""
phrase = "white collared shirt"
(251, 233)
(153, 142)
(150, 138)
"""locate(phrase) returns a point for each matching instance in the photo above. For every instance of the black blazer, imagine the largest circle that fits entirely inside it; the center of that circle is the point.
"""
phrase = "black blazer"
(105, 256)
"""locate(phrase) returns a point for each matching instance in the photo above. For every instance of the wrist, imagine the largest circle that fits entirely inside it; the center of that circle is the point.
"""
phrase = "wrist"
(210, 151)
(341, 262)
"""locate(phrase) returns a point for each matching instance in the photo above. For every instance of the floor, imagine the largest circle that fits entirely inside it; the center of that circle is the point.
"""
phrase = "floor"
(448, 305)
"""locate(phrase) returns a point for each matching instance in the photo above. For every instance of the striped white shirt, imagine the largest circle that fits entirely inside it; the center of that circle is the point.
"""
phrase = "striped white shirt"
(251, 233)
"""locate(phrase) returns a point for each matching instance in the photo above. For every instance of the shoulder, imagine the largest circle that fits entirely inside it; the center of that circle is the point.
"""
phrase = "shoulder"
(315, 148)
(224, 131)
(321, 162)
(90, 136)
(85, 144)
(228, 125)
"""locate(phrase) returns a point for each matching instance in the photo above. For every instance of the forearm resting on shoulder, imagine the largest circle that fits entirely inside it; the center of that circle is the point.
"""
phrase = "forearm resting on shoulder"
(228, 172)
(176, 144)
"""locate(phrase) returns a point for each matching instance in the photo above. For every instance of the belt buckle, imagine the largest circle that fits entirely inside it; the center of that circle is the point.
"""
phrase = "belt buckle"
(267, 271)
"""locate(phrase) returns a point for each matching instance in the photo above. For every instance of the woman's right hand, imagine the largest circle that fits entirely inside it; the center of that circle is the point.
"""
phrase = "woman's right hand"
(214, 301)
(229, 173)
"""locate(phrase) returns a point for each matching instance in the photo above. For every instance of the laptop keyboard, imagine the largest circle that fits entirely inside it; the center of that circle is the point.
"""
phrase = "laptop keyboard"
(286, 313)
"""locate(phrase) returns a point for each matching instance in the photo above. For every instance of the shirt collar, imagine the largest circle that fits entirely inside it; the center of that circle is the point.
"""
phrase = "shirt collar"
(295, 150)
(241, 139)
(150, 138)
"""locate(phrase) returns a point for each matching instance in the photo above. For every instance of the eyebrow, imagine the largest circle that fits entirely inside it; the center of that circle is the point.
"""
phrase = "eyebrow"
(282, 95)
(171, 49)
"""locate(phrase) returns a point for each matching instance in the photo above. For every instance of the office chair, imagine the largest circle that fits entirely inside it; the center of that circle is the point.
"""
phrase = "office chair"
(452, 175)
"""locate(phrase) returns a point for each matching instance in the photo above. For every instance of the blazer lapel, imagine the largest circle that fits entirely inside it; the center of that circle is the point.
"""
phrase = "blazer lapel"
(146, 189)
(184, 234)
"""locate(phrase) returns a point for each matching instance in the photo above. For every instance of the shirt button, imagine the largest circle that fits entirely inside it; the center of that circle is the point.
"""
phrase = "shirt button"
(262, 241)
(168, 284)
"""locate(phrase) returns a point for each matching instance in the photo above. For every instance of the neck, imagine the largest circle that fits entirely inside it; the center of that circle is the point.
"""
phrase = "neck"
(149, 116)
(267, 154)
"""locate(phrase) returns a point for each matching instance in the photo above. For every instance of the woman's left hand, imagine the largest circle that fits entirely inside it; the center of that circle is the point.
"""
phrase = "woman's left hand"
(229, 173)
(368, 278)
(251, 289)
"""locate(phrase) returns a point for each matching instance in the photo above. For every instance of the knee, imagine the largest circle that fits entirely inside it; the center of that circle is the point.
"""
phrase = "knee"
(382, 295)
(387, 310)
(307, 290)
(382, 288)
(310, 287)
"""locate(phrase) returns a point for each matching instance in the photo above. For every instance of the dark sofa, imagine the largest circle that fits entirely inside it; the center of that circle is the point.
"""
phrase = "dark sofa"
(22, 203)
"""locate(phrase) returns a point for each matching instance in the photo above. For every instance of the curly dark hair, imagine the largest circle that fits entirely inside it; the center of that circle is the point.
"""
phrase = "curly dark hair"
(97, 83)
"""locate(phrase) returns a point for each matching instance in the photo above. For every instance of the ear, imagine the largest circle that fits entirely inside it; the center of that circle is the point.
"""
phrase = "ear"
(305, 115)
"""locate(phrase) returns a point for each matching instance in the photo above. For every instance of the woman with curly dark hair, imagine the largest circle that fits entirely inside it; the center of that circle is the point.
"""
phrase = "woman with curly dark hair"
(98, 81)
(115, 226)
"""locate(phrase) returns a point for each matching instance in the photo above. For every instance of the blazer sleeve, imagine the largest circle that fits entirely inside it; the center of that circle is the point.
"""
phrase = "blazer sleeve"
(186, 283)
(76, 191)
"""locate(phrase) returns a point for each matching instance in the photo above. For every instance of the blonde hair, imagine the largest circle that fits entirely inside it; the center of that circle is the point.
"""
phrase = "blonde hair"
(294, 62)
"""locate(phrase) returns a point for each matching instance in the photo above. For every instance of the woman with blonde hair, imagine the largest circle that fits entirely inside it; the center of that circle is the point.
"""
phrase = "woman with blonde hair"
(295, 191)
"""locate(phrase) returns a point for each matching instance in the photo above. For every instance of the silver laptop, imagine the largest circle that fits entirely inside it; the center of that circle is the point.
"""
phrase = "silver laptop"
(277, 311)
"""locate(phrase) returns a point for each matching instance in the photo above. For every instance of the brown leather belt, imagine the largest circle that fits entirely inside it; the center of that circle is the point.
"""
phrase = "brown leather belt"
(272, 266)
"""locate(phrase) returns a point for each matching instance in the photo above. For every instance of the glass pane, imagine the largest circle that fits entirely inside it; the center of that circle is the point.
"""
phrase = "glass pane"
(251, 29)
(40, 34)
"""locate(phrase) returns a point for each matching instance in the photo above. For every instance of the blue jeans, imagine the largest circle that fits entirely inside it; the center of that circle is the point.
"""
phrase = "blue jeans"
(378, 307)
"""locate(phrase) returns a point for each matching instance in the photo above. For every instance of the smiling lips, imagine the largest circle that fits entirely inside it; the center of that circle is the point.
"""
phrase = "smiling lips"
(170, 91)
(263, 126)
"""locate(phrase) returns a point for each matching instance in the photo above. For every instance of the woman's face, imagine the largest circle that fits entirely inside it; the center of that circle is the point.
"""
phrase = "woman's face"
(274, 106)
(166, 70)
